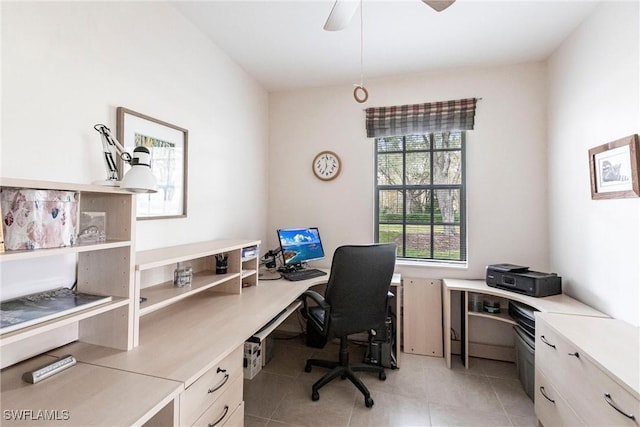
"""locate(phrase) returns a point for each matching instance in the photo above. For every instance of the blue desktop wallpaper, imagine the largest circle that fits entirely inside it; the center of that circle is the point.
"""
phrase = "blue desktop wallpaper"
(300, 245)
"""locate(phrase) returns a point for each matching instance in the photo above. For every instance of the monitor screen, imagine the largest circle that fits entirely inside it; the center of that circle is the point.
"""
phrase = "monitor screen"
(300, 245)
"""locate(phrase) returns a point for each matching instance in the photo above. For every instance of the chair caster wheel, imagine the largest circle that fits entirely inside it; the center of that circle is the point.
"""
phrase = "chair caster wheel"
(307, 368)
(382, 376)
(315, 396)
(368, 402)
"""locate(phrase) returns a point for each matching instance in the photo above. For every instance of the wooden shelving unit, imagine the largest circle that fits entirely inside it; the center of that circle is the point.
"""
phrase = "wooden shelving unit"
(155, 271)
(104, 268)
(112, 331)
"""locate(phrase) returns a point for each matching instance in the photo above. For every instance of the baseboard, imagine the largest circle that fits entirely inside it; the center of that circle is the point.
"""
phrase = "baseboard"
(486, 351)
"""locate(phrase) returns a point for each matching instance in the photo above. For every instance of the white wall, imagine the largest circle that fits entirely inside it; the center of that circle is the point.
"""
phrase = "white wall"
(67, 65)
(594, 99)
(506, 163)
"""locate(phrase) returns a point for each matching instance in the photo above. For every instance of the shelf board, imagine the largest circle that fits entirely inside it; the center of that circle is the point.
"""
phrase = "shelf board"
(85, 247)
(65, 186)
(166, 293)
(153, 258)
(248, 272)
(48, 325)
(502, 316)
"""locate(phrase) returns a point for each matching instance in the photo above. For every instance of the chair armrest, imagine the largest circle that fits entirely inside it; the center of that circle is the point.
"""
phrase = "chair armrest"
(320, 301)
(316, 297)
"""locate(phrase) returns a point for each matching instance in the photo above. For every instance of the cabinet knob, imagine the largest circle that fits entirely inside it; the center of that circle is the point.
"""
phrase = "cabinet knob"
(576, 354)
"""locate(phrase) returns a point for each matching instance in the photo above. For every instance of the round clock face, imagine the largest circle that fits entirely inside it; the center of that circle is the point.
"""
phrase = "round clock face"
(326, 165)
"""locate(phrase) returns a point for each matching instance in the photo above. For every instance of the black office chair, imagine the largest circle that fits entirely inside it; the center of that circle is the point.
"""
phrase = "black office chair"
(355, 301)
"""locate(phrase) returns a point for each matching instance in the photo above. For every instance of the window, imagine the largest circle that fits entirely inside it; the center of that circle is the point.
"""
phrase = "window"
(420, 196)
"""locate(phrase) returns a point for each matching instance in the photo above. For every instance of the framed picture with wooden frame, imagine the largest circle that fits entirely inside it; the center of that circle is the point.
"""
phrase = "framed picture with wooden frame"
(167, 144)
(614, 169)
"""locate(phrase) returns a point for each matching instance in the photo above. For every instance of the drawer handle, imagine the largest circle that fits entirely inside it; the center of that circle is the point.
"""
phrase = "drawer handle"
(609, 400)
(219, 386)
(576, 354)
(224, 414)
(220, 370)
(544, 340)
(544, 393)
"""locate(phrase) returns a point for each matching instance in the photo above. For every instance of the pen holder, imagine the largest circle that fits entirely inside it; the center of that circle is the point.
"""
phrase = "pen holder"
(221, 264)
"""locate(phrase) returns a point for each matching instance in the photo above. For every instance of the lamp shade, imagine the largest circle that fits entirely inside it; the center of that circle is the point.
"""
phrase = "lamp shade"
(140, 179)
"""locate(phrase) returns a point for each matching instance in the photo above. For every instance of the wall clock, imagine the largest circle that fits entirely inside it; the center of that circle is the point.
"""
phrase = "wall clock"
(326, 165)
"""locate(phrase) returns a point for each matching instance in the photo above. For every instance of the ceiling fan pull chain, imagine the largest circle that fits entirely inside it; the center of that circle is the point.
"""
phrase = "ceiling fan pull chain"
(360, 93)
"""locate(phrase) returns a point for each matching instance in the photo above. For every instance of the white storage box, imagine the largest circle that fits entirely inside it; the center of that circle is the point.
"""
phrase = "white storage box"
(36, 219)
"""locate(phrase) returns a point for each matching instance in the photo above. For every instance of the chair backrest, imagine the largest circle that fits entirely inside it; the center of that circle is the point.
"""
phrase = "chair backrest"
(358, 286)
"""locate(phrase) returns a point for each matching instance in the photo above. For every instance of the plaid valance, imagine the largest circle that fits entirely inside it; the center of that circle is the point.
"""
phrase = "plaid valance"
(421, 118)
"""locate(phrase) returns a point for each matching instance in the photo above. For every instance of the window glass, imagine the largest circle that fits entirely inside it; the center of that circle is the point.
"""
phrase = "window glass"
(420, 195)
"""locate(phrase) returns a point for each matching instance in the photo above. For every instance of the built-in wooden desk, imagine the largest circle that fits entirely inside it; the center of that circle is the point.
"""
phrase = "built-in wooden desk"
(181, 348)
(199, 335)
(183, 341)
(84, 395)
(552, 304)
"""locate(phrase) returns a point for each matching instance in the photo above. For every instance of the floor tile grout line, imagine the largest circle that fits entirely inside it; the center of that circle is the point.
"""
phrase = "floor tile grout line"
(495, 392)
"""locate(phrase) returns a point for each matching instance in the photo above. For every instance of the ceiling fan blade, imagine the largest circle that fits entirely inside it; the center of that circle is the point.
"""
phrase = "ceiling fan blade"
(341, 14)
(438, 5)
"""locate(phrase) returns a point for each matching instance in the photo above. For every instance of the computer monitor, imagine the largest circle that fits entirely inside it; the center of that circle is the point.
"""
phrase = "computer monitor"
(300, 245)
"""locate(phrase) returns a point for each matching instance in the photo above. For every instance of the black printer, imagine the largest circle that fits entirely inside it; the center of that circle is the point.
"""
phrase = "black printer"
(520, 279)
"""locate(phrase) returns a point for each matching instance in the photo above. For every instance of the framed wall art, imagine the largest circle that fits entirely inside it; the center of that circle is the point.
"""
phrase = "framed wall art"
(168, 146)
(614, 169)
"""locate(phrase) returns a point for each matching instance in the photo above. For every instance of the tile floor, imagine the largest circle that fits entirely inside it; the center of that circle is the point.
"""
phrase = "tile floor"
(422, 392)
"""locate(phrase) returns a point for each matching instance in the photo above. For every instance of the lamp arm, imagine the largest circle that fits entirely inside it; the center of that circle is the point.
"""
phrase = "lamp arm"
(111, 148)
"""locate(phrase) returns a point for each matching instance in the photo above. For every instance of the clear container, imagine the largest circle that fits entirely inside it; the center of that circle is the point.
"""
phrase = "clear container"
(475, 302)
(182, 276)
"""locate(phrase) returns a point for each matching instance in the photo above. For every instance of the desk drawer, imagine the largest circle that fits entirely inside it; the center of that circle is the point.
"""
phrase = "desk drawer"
(596, 397)
(582, 383)
(224, 409)
(551, 409)
(210, 386)
(237, 418)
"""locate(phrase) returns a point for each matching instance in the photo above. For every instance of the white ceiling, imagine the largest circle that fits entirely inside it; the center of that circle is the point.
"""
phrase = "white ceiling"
(283, 46)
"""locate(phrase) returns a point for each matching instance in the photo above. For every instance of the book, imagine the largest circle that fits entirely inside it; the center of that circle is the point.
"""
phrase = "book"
(31, 309)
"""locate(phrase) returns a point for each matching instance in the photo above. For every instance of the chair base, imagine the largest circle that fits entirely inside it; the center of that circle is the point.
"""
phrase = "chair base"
(344, 370)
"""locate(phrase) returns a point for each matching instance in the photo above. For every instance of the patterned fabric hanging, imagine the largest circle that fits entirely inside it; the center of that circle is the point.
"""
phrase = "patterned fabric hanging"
(420, 118)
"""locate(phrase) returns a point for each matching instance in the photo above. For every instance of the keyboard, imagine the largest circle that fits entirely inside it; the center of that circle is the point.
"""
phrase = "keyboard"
(307, 273)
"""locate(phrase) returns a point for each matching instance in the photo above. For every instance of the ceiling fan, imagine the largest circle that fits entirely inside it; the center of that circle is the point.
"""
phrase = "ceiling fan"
(343, 11)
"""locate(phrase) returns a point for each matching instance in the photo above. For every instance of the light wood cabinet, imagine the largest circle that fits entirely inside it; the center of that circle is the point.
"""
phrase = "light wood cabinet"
(226, 406)
(207, 397)
(587, 371)
(422, 316)
(104, 268)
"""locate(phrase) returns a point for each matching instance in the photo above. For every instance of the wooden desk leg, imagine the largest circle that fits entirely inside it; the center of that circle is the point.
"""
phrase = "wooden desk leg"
(464, 328)
(446, 330)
